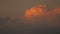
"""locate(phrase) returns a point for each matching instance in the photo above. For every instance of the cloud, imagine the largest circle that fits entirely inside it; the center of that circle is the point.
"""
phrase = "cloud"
(48, 21)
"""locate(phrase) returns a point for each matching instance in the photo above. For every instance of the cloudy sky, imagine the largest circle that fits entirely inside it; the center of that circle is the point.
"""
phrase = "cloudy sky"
(12, 8)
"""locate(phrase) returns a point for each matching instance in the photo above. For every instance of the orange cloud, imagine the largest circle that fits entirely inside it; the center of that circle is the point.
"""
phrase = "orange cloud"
(41, 15)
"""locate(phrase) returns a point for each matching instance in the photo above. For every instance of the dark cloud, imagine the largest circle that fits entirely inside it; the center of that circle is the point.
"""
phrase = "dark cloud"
(39, 25)
(46, 24)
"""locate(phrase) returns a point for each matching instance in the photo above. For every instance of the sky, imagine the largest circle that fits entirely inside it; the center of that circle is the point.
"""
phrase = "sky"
(12, 8)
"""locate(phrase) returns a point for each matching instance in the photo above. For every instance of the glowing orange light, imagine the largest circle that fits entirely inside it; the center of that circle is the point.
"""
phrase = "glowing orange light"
(35, 11)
